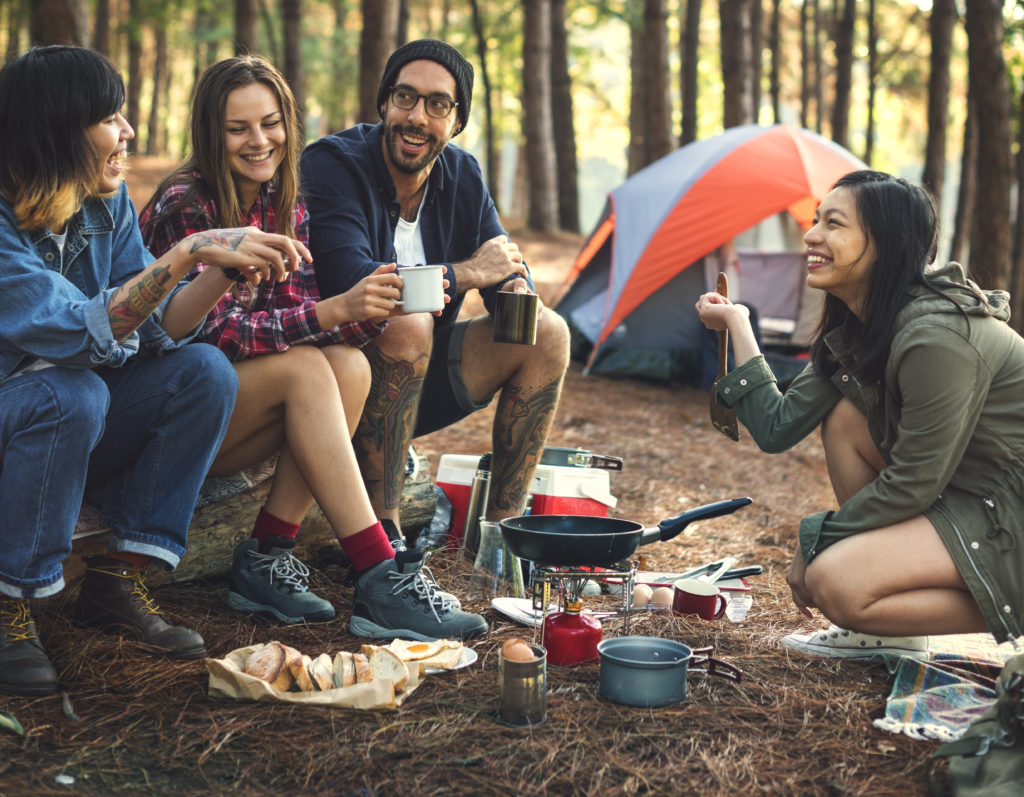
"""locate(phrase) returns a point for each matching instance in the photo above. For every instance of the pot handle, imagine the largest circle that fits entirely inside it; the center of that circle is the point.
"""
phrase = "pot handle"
(714, 666)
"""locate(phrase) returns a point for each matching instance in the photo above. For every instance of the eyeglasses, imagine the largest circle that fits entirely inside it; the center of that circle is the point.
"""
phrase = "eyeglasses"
(436, 105)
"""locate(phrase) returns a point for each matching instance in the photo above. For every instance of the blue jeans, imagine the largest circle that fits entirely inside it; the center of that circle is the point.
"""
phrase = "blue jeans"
(140, 438)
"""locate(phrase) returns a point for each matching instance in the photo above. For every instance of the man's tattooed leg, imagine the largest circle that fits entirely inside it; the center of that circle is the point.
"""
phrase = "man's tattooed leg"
(386, 427)
(521, 425)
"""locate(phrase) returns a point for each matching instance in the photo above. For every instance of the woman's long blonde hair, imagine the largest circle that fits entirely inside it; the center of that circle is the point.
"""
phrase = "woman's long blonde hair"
(49, 98)
(209, 151)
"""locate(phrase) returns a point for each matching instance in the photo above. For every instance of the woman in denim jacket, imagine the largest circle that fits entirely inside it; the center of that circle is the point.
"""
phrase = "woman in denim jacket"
(97, 390)
(917, 382)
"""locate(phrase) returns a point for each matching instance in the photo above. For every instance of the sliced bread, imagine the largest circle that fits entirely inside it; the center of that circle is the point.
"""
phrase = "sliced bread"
(385, 664)
(321, 672)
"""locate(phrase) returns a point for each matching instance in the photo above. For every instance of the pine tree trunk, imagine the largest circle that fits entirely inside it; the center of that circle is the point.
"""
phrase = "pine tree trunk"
(542, 210)
(562, 120)
(736, 61)
(940, 27)
(378, 41)
(246, 15)
(991, 239)
(844, 72)
(689, 44)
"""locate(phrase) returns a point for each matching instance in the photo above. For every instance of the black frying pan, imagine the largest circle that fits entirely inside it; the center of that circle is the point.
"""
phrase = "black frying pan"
(578, 540)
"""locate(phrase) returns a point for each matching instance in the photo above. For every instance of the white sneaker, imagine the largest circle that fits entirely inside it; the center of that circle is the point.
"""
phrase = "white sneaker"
(836, 642)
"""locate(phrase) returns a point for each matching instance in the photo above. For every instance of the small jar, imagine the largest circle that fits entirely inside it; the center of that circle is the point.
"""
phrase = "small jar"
(570, 636)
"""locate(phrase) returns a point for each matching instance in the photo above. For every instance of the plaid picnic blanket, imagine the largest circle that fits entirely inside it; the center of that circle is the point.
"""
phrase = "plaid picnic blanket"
(939, 698)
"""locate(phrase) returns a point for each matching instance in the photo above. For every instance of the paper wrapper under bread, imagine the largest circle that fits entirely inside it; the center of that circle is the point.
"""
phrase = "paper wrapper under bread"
(227, 679)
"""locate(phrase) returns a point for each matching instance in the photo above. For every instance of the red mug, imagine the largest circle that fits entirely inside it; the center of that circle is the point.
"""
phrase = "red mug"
(693, 596)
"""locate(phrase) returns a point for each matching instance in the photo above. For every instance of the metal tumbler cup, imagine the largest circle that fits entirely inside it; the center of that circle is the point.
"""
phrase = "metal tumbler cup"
(524, 689)
(515, 317)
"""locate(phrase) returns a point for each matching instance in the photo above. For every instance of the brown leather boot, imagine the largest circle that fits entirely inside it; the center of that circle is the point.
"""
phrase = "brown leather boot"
(114, 599)
(25, 669)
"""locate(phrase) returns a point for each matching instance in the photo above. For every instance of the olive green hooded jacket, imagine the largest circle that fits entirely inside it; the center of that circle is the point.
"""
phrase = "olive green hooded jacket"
(949, 422)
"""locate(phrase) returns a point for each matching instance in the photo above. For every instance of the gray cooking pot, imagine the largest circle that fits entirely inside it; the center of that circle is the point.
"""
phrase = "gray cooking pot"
(648, 672)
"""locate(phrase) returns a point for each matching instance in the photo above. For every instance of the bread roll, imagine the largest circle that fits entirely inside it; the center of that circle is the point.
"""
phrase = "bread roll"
(266, 663)
(385, 664)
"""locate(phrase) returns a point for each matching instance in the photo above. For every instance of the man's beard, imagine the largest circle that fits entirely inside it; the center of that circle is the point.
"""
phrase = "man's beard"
(402, 161)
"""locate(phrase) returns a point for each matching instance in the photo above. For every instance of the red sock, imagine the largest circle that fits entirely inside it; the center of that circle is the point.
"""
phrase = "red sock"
(268, 525)
(136, 560)
(368, 547)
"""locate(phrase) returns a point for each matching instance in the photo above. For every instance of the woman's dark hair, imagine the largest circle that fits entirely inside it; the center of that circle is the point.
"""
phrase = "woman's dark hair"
(49, 97)
(209, 153)
(901, 221)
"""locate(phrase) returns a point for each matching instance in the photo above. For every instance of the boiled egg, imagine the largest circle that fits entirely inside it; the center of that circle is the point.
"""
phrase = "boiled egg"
(661, 598)
(516, 650)
(641, 596)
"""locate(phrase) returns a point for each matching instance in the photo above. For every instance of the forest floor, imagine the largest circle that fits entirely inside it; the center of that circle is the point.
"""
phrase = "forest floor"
(795, 725)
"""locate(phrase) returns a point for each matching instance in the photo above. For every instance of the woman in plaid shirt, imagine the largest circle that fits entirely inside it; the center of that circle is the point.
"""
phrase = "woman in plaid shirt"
(302, 377)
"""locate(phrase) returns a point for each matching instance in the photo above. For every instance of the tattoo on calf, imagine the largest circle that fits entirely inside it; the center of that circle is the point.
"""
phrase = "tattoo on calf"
(388, 421)
(134, 305)
(521, 426)
(226, 239)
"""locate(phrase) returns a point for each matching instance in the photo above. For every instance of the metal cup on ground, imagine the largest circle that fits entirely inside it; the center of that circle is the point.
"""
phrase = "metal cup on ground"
(524, 689)
(515, 317)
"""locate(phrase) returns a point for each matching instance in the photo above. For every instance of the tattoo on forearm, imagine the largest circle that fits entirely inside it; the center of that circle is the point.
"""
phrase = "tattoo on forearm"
(226, 239)
(134, 303)
(386, 427)
(521, 425)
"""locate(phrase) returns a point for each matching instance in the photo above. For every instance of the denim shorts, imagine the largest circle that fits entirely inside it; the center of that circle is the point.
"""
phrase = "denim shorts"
(445, 396)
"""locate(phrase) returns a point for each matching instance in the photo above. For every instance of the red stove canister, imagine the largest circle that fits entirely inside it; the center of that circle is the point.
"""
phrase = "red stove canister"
(571, 637)
(555, 490)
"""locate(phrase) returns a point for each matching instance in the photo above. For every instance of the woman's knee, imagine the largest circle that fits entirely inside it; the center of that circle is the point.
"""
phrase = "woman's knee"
(351, 370)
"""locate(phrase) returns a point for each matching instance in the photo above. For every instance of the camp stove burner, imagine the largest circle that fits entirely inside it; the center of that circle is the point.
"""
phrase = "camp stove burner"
(569, 583)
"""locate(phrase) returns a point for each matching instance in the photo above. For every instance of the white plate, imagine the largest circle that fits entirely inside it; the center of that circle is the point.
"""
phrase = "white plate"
(519, 610)
(468, 657)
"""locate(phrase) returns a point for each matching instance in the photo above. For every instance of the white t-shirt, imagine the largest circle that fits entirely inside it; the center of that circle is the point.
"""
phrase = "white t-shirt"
(409, 241)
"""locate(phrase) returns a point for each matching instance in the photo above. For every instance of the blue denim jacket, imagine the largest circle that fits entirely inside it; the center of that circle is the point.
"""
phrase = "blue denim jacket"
(53, 306)
(353, 212)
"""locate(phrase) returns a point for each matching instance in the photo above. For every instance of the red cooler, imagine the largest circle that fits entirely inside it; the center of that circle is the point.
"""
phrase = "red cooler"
(556, 490)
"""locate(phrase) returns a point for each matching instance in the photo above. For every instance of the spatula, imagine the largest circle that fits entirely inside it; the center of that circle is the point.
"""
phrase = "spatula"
(723, 419)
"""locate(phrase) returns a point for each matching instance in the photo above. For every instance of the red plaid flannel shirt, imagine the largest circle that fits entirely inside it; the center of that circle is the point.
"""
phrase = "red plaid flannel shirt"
(274, 316)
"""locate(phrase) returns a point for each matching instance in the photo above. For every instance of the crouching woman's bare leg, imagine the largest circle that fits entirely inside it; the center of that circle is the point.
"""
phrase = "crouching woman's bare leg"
(894, 581)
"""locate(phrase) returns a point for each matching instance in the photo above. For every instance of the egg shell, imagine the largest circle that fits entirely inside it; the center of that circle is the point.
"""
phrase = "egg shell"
(641, 596)
(517, 650)
(661, 598)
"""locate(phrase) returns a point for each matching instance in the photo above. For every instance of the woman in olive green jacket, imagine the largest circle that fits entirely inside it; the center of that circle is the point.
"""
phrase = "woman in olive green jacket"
(917, 383)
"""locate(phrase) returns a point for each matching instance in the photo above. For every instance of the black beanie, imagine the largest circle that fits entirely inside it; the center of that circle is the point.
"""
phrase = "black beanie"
(430, 50)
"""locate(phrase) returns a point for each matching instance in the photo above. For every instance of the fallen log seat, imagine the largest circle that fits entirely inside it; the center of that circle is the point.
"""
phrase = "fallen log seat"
(224, 516)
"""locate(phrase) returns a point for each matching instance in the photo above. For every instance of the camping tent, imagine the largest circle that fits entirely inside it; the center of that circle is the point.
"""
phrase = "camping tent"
(631, 292)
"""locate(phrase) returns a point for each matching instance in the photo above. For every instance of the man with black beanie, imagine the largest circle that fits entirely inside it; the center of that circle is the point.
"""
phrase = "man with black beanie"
(398, 192)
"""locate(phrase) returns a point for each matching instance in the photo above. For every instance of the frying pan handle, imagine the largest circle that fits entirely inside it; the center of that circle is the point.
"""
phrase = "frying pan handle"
(670, 527)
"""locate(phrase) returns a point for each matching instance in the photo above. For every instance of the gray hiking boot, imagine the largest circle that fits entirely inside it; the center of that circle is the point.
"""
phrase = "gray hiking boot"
(395, 599)
(399, 545)
(274, 584)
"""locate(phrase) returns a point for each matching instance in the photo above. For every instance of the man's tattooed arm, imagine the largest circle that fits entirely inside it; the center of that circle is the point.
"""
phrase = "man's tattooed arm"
(134, 302)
